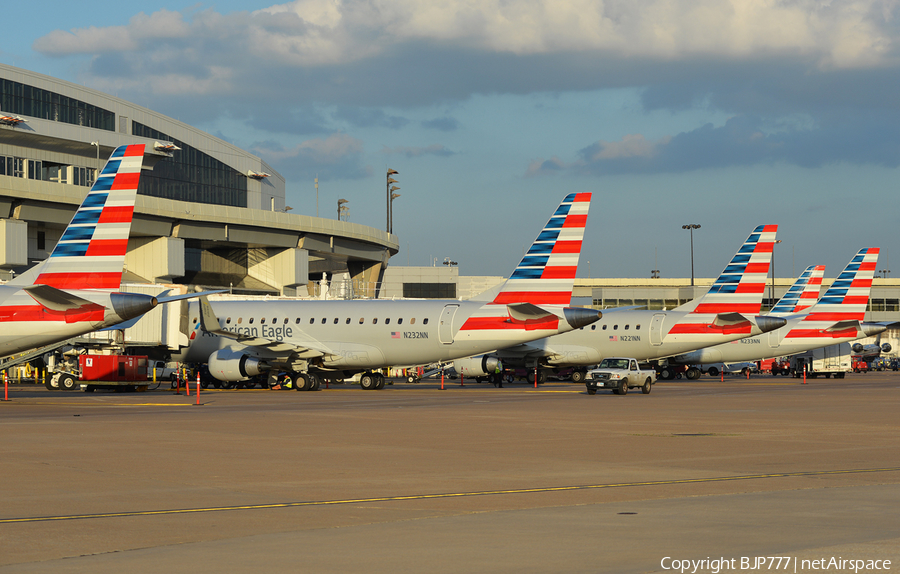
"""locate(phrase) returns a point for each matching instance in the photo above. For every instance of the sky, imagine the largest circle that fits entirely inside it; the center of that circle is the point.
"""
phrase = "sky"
(726, 114)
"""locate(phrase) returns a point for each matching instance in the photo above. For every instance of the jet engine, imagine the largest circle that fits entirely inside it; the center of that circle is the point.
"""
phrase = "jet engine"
(482, 366)
(859, 348)
(233, 365)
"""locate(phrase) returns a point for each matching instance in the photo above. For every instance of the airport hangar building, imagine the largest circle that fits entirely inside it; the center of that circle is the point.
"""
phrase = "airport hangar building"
(207, 213)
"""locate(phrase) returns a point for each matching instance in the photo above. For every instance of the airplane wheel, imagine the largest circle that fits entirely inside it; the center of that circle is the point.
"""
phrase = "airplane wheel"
(577, 376)
(315, 382)
(713, 372)
(301, 381)
(367, 381)
(666, 374)
(646, 388)
(379, 382)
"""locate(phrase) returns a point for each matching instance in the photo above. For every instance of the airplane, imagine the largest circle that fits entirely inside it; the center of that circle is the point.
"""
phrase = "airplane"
(75, 290)
(727, 312)
(334, 339)
(837, 317)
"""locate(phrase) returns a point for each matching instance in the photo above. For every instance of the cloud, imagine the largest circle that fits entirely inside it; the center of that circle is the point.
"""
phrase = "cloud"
(742, 141)
(435, 149)
(412, 50)
(444, 124)
(370, 117)
(338, 156)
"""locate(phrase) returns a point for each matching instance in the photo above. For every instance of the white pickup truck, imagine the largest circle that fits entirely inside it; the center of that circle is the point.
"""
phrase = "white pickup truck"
(620, 374)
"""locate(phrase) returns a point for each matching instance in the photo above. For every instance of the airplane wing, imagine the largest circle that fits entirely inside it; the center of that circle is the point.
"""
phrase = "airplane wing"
(57, 299)
(305, 348)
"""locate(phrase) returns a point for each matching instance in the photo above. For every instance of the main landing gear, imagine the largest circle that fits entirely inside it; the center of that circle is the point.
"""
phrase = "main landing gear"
(306, 381)
(371, 381)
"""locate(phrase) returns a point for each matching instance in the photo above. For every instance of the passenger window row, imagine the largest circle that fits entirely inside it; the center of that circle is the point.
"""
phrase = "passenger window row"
(616, 327)
(312, 321)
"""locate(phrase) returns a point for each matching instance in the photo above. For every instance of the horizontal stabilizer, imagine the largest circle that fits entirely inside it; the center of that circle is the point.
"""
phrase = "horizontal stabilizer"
(160, 299)
(728, 319)
(169, 298)
(57, 299)
(527, 312)
(843, 326)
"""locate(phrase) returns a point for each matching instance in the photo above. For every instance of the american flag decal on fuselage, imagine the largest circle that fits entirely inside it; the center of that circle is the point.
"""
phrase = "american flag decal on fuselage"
(844, 301)
(91, 252)
(738, 289)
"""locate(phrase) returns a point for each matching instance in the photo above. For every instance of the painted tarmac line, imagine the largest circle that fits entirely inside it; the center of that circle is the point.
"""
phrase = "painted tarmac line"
(443, 495)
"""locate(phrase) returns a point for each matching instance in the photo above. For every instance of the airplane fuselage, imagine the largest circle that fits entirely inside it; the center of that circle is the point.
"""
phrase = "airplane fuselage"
(357, 335)
(640, 334)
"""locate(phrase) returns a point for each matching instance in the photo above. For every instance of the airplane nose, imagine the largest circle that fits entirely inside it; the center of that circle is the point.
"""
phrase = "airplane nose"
(871, 329)
(767, 323)
(579, 317)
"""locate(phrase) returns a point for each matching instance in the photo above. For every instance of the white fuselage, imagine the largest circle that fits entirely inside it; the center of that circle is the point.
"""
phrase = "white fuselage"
(766, 346)
(644, 335)
(358, 335)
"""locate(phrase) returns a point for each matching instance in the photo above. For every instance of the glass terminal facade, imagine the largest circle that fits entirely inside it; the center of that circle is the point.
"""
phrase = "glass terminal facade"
(19, 98)
(191, 175)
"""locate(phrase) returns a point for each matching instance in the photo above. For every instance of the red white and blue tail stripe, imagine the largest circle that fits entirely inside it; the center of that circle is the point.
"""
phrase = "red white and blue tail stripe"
(546, 275)
(803, 293)
(91, 252)
(543, 279)
(840, 311)
(737, 292)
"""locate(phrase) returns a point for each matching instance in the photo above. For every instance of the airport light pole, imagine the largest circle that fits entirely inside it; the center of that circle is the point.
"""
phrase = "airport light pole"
(772, 288)
(97, 171)
(692, 227)
(393, 197)
(390, 180)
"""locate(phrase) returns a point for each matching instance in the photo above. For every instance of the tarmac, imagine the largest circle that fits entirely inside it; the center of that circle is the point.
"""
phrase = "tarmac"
(467, 479)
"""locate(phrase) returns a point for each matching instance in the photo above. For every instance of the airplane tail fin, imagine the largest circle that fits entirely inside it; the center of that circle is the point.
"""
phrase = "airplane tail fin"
(738, 291)
(91, 252)
(840, 311)
(546, 274)
(803, 293)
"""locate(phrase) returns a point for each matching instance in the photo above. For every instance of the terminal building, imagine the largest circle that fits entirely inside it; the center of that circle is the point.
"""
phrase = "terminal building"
(207, 213)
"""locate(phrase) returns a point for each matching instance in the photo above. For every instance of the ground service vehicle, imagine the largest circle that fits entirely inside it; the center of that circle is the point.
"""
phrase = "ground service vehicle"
(620, 374)
(826, 361)
(95, 371)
